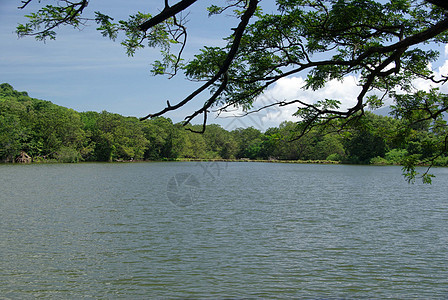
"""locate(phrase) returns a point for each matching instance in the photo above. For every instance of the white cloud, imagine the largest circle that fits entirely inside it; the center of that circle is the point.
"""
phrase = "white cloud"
(426, 85)
(288, 89)
(443, 71)
(345, 91)
(291, 88)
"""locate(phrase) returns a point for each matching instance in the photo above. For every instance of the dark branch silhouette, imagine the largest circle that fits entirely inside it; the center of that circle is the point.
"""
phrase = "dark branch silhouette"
(167, 12)
(239, 31)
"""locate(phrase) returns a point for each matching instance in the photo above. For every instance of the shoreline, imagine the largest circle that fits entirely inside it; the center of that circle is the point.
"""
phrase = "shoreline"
(322, 162)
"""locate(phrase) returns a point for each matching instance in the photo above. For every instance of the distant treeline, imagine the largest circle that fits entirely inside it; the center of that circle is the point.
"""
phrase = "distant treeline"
(43, 131)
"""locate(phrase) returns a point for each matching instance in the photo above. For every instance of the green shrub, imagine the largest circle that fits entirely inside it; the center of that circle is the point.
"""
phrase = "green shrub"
(441, 161)
(334, 157)
(68, 155)
(395, 156)
(379, 161)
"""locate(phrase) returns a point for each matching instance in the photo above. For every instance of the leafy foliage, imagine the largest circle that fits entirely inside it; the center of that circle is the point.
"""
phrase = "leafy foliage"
(48, 132)
(386, 44)
(323, 39)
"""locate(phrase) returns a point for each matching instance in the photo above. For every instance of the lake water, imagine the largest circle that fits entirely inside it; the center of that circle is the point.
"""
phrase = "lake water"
(221, 230)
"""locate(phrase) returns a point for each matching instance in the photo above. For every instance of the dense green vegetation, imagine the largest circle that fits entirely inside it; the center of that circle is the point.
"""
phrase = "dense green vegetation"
(48, 132)
(388, 45)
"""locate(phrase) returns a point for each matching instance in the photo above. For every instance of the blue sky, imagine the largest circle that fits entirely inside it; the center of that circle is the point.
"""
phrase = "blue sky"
(84, 71)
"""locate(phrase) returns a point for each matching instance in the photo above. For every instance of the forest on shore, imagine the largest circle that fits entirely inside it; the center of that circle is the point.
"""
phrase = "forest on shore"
(45, 132)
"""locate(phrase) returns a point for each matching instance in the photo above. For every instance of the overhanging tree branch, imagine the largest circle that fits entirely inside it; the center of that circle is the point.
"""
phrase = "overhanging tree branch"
(24, 4)
(53, 17)
(239, 31)
(167, 12)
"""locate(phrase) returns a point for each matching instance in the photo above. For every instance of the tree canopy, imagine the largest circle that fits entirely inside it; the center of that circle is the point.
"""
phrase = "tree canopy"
(387, 44)
(46, 132)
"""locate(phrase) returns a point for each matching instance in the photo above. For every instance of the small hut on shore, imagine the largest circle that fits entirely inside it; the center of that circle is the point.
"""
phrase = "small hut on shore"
(23, 158)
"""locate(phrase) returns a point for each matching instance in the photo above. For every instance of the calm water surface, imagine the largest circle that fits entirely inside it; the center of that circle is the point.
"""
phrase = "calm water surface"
(221, 230)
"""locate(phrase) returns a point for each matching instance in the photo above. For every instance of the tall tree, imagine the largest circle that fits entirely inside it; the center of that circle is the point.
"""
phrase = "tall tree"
(118, 137)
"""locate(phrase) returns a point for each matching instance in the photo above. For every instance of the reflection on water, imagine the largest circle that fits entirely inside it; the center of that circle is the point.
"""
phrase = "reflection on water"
(249, 230)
